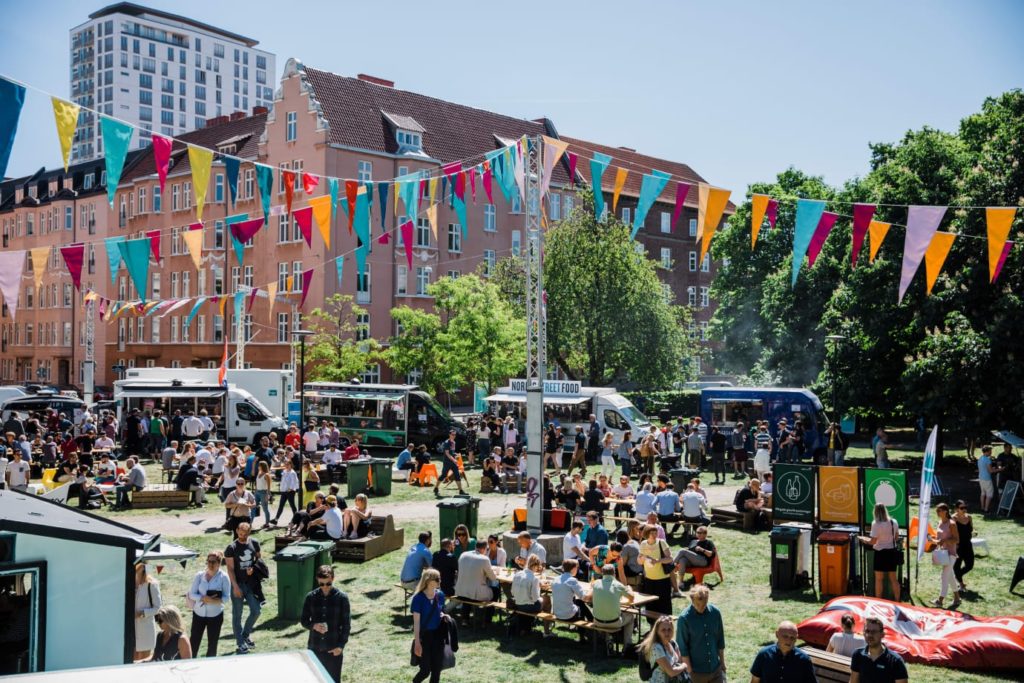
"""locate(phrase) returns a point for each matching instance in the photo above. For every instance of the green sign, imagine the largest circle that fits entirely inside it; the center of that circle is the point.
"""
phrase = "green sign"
(888, 487)
(793, 493)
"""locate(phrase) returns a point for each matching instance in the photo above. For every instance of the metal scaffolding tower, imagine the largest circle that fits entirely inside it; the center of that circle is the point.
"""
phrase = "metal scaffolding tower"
(536, 335)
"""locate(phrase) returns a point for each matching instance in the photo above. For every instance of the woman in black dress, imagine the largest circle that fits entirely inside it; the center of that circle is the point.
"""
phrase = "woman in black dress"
(170, 643)
(964, 550)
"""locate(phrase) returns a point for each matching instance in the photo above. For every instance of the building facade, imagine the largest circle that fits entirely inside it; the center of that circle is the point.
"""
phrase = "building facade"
(161, 72)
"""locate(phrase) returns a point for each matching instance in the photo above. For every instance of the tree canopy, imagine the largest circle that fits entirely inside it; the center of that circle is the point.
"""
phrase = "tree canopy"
(339, 348)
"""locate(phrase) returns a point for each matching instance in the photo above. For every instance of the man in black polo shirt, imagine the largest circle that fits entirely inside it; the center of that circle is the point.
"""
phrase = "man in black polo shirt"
(783, 662)
(876, 663)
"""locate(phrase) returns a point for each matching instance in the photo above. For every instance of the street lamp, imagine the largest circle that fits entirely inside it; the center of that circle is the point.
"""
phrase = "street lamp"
(835, 339)
(301, 334)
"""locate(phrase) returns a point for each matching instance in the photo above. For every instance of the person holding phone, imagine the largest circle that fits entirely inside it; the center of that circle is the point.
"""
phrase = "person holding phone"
(328, 616)
(206, 596)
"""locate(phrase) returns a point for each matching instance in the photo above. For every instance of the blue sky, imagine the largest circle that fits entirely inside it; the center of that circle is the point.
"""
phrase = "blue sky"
(738, 90)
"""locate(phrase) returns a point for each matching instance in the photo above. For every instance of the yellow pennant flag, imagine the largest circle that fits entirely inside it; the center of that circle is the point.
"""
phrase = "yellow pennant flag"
(395, 190)
(39, 256)
(288, 284)
(223, 301)
(703, 192)
(758, 207)
(271, 295)
(998, 221)
(90, 296)
(433, 190)
(877, 230)
(936, 255)
(200, 160)
(194, 241)
(66, 116)
(432, 219)
(718, 199)
(322, 216)
(620, 180)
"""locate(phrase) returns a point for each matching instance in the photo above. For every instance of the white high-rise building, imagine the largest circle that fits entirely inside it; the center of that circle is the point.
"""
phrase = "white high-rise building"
(162, 72)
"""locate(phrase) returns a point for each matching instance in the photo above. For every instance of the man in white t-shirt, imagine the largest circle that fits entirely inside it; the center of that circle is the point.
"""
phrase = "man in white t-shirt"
(207, 423)
(191, 427)
(572, 546)
(18, 472)
(330, 525)
(204, 457)
(3, 468)
(310, 441)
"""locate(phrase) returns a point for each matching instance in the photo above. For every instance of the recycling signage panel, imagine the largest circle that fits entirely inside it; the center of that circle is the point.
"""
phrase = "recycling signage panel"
(793, 493)
(888, 487)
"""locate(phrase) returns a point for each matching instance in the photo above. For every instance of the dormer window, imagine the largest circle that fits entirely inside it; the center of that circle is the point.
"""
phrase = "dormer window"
(408, 133)
(409, 141)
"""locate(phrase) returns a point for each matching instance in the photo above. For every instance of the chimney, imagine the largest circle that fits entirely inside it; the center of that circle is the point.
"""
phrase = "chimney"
(256, 111)
(236, 115)
(376, 81)
(216, 121)
(628, 149)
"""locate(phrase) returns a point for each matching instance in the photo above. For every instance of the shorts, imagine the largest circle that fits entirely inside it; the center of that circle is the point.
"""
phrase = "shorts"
(739, 455)
(988, 489)
(886, 560)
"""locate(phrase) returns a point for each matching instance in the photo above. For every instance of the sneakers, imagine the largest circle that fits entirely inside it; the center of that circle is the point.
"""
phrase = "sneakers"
(249, 644)
(677, 594)
(243, 649)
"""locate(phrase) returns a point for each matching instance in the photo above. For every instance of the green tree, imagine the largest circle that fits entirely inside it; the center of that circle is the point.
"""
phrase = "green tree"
(419, 347)
(334, 350)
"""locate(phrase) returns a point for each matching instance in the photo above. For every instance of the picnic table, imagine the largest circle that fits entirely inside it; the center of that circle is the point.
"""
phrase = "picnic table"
(505, 575)
(631, 502)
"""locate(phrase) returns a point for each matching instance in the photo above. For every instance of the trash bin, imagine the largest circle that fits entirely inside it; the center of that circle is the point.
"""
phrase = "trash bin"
(359, 477)
(869, 576)
(296, 576)
(472, 512)
(323, 551)
(381, 470)
(784, 542)
(833, 562)
(451, 513)
(681, 477)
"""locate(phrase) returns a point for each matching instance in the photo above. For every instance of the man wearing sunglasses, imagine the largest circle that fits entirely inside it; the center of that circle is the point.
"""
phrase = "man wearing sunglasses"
(327, 615)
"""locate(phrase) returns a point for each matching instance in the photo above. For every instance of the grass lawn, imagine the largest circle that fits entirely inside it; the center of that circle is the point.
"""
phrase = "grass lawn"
(381, 634)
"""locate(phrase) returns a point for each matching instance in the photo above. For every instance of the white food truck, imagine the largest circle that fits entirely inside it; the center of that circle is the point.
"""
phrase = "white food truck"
(272, 388)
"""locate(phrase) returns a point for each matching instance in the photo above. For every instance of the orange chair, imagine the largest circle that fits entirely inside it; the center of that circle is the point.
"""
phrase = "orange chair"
(700, 572)
(929, 545)
(426, 475)
(519, 519)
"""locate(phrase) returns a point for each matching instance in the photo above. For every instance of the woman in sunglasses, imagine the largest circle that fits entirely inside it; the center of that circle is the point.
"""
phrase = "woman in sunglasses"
(428, 627)
(661, 652)
(170, 642)
(206, 597)
(964, 549)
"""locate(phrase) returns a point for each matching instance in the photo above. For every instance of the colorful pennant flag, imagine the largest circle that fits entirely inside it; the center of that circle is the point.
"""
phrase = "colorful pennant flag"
(239, 246)
(289, 281)
(651, 187)
(486, 180)
(382, 191)
(808, 215)
(1002, 260)
(231, 165)
(432, 220)
(620, 181)
(552, 151)
(758, 207)
(74, 257)
(361, 221)
(471, 175)
(304, 219)
(998, 221)
(460, 186)
(113, 256)
(772, 212)
(862, 216)
(935, 256)
(265, 181)
(288, 178)
(573, 160)
(877, 230)
(922, 222)
(66, 116)
(12, 98)
(406, 229)
(200, 159)
(432, 190)
(222, 373)
(460, 211)
(136, 258)
(825, 224)
(307, 277)
(154, 243)
(271, 296)
(717, 201)
(332, 190)
(339, 265)
(12, 265)
(682, 190)
(193, 238)
(321, 207)
(309, 182)
(161, 157)
(243, 229)
(351, 188)
(116, 138)
(39, 256)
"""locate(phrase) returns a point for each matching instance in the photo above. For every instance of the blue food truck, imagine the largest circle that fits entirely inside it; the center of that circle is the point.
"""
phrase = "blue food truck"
(725, 406)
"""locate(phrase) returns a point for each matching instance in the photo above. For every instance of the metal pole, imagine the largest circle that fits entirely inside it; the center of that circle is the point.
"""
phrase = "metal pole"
(89, 366)
(536, 337)
(302, 382)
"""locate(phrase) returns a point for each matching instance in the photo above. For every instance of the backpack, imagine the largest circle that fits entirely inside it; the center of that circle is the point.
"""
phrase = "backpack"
(644, 668)
(736, 499)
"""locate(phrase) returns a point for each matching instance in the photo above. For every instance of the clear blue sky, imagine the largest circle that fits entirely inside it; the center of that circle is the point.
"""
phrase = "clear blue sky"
(738, 90)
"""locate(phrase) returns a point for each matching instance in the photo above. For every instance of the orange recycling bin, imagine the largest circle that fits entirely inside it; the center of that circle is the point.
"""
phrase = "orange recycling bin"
(833, 562)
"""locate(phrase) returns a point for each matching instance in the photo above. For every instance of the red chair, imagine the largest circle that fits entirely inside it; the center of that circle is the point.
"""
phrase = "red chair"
(699, 573)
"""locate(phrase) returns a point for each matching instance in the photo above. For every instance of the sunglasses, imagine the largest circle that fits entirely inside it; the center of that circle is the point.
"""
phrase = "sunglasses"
(325, 583)
(158, 619)
(212, 560)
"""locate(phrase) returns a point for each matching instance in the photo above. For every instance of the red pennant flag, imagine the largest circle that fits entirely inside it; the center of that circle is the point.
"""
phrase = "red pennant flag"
(154, 244)
(407, 241)
(487, 182)
(460, 185)
(288, 177)
(862, 215)
(472, 182)
(309, 182)
(682, 189)
(1001, 261)
(74, 256)
(825, 223)
(161, 157)
(307, 277)
(244, 231)
(772, 212)
(304, 219)
(351, 189)
(384, 238)
(572, 167)
(252, 299)
(423, 192)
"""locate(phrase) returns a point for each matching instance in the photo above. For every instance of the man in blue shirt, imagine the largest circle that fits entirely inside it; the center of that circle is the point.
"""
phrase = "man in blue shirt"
(418, 559)
(876, 663)
(594, 534)
(700, 636)
(405, 461)
(667, 506)
(645, 501)
(783, 662)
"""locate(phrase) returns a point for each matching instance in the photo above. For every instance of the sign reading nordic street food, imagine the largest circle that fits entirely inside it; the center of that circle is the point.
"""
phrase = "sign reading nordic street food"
(793, 494)
(561, 387)
(838, 495)
(888, 487)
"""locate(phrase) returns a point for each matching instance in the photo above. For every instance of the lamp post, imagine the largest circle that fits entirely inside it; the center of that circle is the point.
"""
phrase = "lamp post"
(301, 334)
(835, 339)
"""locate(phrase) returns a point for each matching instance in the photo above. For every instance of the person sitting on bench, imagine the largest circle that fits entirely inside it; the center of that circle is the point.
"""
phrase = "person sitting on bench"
(749, 498)
(525, 593)
(700, 552)
(606, 605)
(694, 506)
(476, 580)
(356, 521)
(405, 460)
(527, 548)
(329, 525)
(568, 599)
(667, 505)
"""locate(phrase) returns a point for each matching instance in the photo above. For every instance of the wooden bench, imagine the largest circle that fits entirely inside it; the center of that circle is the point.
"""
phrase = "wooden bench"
(160, 496)
(382, 539)
(730, 518)
(828, 666)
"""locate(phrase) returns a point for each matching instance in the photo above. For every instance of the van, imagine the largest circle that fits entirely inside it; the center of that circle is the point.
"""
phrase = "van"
(725, 406)
(568, 404)
(74, 408)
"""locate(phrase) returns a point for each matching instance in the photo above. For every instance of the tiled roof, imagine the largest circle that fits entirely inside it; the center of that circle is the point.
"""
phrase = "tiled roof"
(244, 132)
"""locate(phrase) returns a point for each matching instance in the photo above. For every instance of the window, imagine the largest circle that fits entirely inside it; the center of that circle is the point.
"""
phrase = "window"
(175, 291)
(175, 197)
(693, 261)
(555, 200)
(422, 232)
(155, 279)
(568, 205)
(454, 238)
(69, 216)
(408, 141)
(250, 181)
(247, 277)
(174, 328)
(282, 277)
(626, 215)
(186, 191)
(186, 284)
(666, 221)
(29, 293)
(363, 286)
(282, 328)
(218, 234)
(704, 297)
(296, 276)
(157, 200)
(154, 330)
(666, 257)
(517, 242)
(705, 265)
(402, 280)
(218, 329)
(218, 188)
(422, 279)
(517, 201)
(489, 223)
(691, 296)
(365, 171)
(291, 128)
(362, 327)
(201, 329)
(175, 241)
(489, 259)
(703, 331)
(693, 227)
(453, 274)
(666, 293)
(372, 374)
(142, 200)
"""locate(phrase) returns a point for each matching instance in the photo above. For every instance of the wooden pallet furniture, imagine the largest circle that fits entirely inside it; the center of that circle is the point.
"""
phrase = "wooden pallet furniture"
(828, 666)
(160, 496)
(382, 539)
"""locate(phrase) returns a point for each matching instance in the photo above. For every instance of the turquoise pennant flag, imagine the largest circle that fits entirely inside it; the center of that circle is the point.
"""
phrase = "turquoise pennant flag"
(339, 263)
(808, 213)
(650, 188)
(410, 185)
(136, 257)
(195, 309)
(332, 189)
(231, 169)
(239, 247)
(361, 225)
(116, 138)
(597, 167)
(12, 97)
(239, 298)
(113, 256)
(460, 210)
(265, 181)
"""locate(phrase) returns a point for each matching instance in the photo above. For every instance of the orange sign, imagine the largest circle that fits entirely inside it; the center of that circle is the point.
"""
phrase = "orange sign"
(838, 495)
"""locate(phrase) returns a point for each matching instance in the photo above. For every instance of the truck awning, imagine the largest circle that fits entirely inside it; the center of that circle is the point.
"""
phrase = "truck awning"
(551, 400)
(356, 395)
(168, 392)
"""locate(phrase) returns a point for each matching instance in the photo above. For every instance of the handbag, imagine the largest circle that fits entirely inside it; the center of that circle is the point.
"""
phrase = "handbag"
(448, 658)
(941, 557)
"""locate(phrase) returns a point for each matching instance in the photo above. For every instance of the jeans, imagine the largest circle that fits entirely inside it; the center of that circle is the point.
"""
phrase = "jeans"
(263, 501)
(285, 497)
(627, 467)
(122, 494)
(236, 614)
(331, 664)
(212, 627)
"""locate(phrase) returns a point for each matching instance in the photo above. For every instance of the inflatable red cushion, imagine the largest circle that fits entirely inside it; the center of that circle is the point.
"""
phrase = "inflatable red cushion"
(927, 636)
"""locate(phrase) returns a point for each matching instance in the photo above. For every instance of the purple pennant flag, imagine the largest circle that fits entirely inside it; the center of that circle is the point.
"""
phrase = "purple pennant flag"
(922, 222)
(307, 277)
(862, 215)
(1001, 261)
(252, 299)
(407, 241)
(304, 219)
(74, 256)
(772, 212)
(243, 231)
(12, 265)
(682, 189)
(825, 223)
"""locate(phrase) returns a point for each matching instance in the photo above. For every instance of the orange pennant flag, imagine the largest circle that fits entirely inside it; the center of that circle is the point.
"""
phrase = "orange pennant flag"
(322, 216)
(620, 180)
(223, 301)
(877, 230)
(936, 255)
(718, 199)
(39, 257)
(703, 192)
(194, 241)
(998, 222)
(758, 207)
(432, 219)
(288, 284)
(271, 295)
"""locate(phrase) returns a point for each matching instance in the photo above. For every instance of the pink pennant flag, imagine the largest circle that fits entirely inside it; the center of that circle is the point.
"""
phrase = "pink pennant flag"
(772, 212)
(101, 308)
(244, 231)
(304, 219)
(472, 182)
(862, 215)
(825, 223)
(154, 244)
(451, 169)
(384, 238)
(487, 182)
(682, 189)
(74, 256)
(573, 158)
(252, 299)
(1001, 261)
(407, 242)
(161, 157)
(423, 192)
(307, 277)
(460, 185)
(12, 265)
(309, 182)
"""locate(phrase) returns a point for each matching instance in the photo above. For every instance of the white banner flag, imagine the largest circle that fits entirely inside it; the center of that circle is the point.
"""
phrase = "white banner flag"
(927, 475)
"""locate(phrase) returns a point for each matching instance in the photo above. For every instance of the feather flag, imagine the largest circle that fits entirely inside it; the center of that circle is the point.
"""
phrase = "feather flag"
(997, 226)
(65, 114)
(758, 207)
(200, 160)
